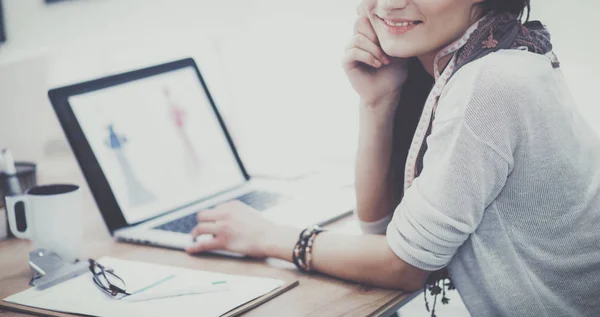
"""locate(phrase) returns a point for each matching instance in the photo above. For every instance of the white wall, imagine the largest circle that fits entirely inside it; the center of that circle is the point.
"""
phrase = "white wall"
(262, 57)
(273, 65)
(574, 30)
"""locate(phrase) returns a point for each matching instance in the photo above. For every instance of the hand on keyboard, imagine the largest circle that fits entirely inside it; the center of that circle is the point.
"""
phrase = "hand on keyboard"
(236, 227)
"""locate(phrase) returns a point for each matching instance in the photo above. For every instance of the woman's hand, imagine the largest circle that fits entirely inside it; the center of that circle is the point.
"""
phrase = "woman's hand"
(374, 75)
(236, 227)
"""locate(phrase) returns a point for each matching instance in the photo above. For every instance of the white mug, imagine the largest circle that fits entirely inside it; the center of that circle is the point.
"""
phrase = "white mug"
(50, 216)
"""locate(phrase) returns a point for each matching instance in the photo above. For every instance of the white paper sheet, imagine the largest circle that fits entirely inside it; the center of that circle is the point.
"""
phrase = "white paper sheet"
(81, 296)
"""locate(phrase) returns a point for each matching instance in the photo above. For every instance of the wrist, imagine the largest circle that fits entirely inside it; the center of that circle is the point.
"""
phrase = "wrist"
(375, 124)
(280, 242)
(385, 103)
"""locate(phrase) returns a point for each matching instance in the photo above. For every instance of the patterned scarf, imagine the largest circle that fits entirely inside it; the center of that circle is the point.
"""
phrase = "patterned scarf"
(416, 110)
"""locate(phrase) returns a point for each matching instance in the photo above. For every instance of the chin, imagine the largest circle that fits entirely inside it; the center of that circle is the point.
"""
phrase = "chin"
(398, 49)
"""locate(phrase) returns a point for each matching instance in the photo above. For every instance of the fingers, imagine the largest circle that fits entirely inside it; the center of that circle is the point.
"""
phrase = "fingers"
(211, 215)
(363, 26)
(205, 228)
(364, 47)
(205, 245)
(357, 55)
(363, 43)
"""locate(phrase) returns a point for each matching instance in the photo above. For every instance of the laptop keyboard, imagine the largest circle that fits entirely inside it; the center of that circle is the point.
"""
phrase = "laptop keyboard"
(257, 199)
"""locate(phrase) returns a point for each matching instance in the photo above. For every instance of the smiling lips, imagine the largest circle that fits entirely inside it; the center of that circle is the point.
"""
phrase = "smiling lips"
(398, 26)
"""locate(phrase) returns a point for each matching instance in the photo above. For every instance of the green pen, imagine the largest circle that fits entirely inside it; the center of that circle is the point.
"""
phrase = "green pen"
(142, 295)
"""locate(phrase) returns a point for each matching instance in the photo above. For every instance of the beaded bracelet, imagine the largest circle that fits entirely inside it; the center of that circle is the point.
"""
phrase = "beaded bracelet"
(302, 255)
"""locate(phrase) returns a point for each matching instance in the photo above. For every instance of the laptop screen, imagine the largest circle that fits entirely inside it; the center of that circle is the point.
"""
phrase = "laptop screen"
(158, 141)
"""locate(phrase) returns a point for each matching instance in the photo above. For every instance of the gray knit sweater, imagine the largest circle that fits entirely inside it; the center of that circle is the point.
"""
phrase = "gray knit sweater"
(509, 196)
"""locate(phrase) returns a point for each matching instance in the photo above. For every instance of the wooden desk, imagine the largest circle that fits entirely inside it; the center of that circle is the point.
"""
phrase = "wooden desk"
(317, 295)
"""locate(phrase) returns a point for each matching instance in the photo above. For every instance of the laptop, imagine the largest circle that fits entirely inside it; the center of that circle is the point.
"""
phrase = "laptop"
(155, 151)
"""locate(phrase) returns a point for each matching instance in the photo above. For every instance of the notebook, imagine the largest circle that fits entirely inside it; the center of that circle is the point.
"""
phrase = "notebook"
(81, 296)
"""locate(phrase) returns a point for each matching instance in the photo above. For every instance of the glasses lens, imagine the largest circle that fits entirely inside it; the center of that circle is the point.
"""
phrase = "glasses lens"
(110, 283)
(106, 280)
(114, 280)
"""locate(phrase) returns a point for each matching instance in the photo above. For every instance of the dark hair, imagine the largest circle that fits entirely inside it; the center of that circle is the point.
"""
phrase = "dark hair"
(516, 7)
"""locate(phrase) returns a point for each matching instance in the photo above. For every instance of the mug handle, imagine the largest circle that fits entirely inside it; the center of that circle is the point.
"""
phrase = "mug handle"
(11, 203)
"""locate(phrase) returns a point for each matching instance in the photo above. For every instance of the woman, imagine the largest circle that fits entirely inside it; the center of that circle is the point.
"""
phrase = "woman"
(472, 157)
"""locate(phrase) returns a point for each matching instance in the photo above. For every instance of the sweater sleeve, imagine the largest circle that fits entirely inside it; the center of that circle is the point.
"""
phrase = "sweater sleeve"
(462, 175)
(375, 227)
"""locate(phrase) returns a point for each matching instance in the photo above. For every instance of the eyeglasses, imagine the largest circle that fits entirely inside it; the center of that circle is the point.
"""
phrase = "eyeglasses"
(107, 280)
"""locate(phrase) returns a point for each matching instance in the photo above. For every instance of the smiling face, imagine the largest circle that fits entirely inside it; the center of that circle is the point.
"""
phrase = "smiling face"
(408, 28)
